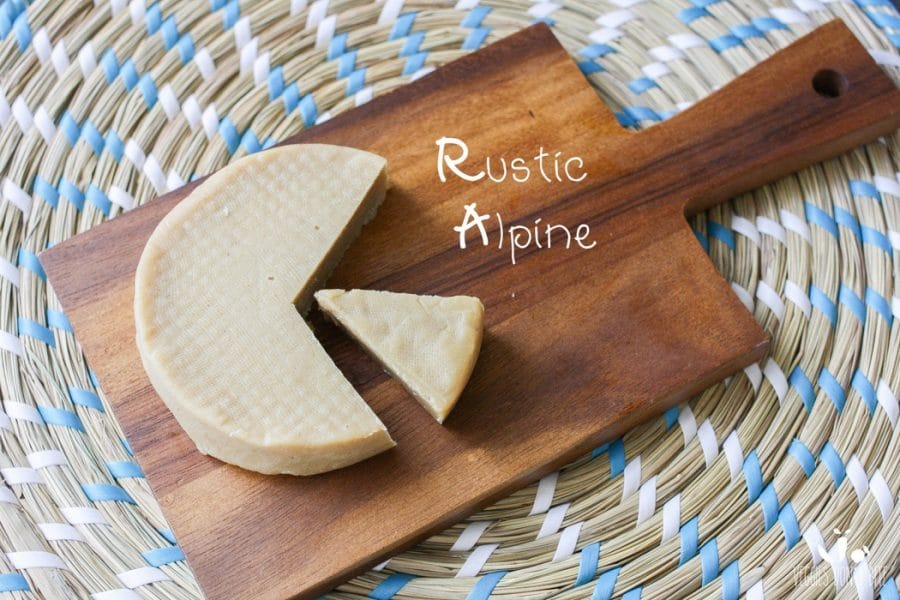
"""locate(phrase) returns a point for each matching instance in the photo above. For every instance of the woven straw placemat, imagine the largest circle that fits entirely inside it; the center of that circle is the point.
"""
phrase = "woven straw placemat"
(782, 481)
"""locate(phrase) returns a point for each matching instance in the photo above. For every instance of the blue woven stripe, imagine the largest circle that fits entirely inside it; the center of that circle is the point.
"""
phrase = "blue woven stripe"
(873, 237)
(291, 98)
(276, 83)
(250, 142)
(106, 492)
(93, 137)
(709, 561)
(412, 44)
(124, 469)
(600, 450)
(229, 134)
(724, 42)
(69, 126)
(61, 418)
(804, 387)
(148, 90)
(606, 584)
(356, 81)
(346, 64)
(880, 304)
(865, 390)
(587, 564)
(641, 85)
(753, 476)
(168, 535)
(616, 458)
(704, 242)
(642, 113)
(803, 456)
(87, 398)
(672, 417)
(13, 582)
(126, 446)
(475, 17)
(823, 304)
(186, 48)
(848, 220)
(634, 593)
(768, 499)
(768, 24)
(414, 63)
(45, 190)
(28, 260)
(817, 216)
(58, 320)
(96, 197)
(595, 51)
(731, 581)
(832, 389)
(889, 590)
(894, 38)
(690, 537)
(70, 192)
(114, 145)
(169, 32)
(848, 298)
(884, 20)
(163, 556)
(23, 31)
(154, 18)
(721, 233)
(35, 330)
(482, 590)
(476, 38)
(833, 462)
(403, 26)
(589, 67)
(864, 188)
(789, 525)
(744, 32)
(689, 15)
(308, 110)
(231, 14)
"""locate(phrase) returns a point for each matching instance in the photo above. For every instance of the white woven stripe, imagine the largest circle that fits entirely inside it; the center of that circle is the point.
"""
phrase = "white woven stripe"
(796, 295)
(470, 536)
(317, 11)
(261, 68)
(789, 16)
(44, 124)
(688, 424)
(734, 454)
(795, 223)
(363, 95)
(647, 500)
(174, 180)
(11, 343)
(815, 542)
(141, 576)
(666, 53)
(887, 185)
(169, 102)
(46, 458)
(23, 412)
(5, 422)
(631, 478)
(895, 306)
(325, 116)
(248, 55)
(888, 402)
(7, 496)
(390, 11)
(60, 58)
(138, 11)
(83, 515)
(655, 70)
(542, 10)
(543, 496)
(567, 542)
(885, 57)
(671, 518)
(135, 155)
(42, 46)
(120, 197)
(205, 64)
(862, 580)
(35, 559)
(117, 6)
(894, 237)
(5, 110)
(297, 7)
(882, 494)
(769, 297)
(553, 520)
(210, 122)
(87, 60)
(615, 19)
(22, 114)
(120, 594)
(476, 560)
(21, 476)
(60, 532)
(754, 374)
(856, 473)
(155, 174)
(772, 229)
(421, 73)
(756, 592)
(242, 33)
(9, 272)
(746, 228)
(707, 436)
(605, 35)
(381, 566)
(685, 41)
(810, 5)
(743, 295)
(466, 4)
(775, 376)
(837, 559)
(325, 32)
(17, 196)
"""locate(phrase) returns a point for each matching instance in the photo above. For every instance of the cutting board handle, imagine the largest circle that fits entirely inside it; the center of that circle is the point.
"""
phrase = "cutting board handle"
(820, 97)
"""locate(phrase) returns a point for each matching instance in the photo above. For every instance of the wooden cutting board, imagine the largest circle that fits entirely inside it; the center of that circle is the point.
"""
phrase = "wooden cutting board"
(581, 344)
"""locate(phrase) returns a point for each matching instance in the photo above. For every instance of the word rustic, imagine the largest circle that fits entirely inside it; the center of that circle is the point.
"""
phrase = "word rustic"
(552, 168)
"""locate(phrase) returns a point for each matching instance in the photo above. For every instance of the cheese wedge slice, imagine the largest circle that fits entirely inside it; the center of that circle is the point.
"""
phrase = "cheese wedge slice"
(217, 328)
(429, 343)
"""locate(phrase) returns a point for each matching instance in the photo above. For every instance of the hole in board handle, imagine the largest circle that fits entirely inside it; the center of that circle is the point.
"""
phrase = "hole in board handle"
(829, 83)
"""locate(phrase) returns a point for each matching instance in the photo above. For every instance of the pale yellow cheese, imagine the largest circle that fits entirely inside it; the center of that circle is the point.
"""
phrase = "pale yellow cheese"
(429, 343)
(217, 329)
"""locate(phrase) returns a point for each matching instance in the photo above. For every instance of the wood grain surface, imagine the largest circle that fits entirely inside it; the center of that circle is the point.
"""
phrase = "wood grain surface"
(580, 345)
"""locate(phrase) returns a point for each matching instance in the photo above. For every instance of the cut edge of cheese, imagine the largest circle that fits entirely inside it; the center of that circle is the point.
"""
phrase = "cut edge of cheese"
(306, 417)
(428, 343)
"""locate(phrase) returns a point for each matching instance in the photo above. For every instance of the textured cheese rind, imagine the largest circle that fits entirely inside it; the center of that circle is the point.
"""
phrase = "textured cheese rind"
(219, 337)
(429, 343)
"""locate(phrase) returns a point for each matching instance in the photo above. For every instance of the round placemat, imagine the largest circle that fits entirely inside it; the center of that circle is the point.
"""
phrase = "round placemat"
(781, 481)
